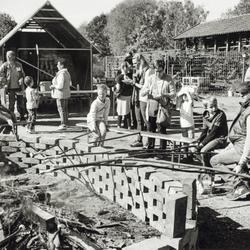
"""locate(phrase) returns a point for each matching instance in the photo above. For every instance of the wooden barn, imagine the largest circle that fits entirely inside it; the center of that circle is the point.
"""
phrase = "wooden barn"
(43, 37)
(232, 34)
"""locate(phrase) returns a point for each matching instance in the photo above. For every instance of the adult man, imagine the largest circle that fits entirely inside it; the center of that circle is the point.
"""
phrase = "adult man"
(215, 131)
(61, 92)
(237, 153)
(160, 90)
(11, 76)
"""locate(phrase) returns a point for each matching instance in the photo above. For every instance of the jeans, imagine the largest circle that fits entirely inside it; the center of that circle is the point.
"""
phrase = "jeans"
(214, 144)
(100, 132)
(62, 107)
(14, 97)
(140, 121)
(227, 160)
(31, 118)
(152, 126)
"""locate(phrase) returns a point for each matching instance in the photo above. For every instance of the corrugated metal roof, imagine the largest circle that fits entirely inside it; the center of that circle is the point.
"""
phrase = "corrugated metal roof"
(50, 20)
(218, 27)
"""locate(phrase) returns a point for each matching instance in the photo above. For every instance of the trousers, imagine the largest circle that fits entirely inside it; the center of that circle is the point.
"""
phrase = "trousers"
(62, 107)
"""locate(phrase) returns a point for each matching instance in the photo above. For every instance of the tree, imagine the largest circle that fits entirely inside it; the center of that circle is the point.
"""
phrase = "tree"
(149, 25)
(126, 22)
(96, 32)
(7, 23)
(179, 17)
(243, 7)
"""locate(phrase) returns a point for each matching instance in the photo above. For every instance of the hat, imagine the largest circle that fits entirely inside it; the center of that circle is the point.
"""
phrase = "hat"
(244, 88)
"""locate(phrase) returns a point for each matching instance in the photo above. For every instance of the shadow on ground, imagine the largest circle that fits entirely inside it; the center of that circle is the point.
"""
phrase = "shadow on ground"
(221, 233)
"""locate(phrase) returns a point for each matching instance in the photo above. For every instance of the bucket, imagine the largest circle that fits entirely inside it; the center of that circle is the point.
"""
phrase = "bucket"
(45, 86)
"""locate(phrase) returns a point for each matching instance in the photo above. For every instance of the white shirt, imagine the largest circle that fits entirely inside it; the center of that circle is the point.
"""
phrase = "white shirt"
(247, 75)
(186, 113)
(32, 97)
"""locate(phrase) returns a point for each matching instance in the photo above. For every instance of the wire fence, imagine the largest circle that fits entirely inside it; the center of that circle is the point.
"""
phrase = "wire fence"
(209, 72)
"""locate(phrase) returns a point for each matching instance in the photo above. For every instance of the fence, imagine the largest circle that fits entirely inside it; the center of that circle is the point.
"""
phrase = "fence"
(220, 69)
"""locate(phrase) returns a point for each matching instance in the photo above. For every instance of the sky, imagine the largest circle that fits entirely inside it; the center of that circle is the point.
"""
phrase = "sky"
(79, 11)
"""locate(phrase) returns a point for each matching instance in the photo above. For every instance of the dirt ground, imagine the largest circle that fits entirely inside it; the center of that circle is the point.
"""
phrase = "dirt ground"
(222, 224)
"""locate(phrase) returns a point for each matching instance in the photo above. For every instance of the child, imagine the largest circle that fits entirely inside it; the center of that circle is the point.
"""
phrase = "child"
(185, 103)
(32, 103)
(97, 118)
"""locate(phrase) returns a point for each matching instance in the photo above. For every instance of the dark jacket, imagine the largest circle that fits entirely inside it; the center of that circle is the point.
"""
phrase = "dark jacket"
(125, 89)
(238, 132)
(215, 127)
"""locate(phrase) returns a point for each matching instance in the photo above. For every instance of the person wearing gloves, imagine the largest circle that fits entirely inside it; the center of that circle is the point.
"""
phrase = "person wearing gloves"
(97, 118)
(60, 90)
(215, 131)
(237, 154)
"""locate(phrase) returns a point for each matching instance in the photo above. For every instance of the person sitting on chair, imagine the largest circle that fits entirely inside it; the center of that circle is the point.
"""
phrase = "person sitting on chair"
(97, 118)
(215, 131)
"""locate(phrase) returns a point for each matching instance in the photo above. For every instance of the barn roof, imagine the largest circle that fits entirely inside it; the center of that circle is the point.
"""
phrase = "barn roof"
(218, 27)
(48, 19)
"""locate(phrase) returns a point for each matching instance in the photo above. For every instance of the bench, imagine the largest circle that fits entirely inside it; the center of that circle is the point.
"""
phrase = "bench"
(176, 141)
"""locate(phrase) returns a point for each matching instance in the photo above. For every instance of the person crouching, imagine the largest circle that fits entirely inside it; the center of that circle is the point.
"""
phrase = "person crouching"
(32, 103)
(97, 118)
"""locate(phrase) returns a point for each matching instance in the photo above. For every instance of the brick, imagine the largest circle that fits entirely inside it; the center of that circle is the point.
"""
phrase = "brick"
(189, 188)
(49, 141)
(67, 143)
(30, 138)
(17, 144)
(8, 149)
(41, 217)
(32, 161)
(7, 137)
(4, 143)
(38, 146)
(175, 208)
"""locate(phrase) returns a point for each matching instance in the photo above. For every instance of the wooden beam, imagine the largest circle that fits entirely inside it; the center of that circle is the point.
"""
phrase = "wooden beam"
(44, 9)
(76, 49)
(48, 18)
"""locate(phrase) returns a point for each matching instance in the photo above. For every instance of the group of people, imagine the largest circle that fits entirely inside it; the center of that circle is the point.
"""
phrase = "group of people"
(151, 93)
(23, 91)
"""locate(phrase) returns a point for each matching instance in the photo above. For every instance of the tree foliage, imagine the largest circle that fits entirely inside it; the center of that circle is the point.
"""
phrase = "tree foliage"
(243, 7)
(142, 24)
(95, 31)
(148, 24)
(7, 23)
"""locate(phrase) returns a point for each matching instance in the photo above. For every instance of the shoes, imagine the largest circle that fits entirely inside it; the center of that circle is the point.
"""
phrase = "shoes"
(240, 192)
(61, 127)
(136, 144)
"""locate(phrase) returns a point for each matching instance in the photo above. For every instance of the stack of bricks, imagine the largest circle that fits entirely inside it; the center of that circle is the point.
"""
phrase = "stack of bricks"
(31, 150)
(151, 194)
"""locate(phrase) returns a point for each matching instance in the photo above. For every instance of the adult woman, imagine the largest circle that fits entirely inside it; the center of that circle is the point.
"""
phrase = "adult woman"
(160, 90)
(124, 91)
(143, 71)
(61, 91)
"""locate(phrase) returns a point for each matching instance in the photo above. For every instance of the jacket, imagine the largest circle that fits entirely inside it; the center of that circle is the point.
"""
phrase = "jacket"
(215, 127)
(238, 131)
(160, 88)
(61, 83)
(5, 75)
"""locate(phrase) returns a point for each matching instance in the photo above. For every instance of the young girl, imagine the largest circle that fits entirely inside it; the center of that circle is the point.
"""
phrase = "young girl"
(185, 102)
(97, 118)
(124, 91)
(32, 97)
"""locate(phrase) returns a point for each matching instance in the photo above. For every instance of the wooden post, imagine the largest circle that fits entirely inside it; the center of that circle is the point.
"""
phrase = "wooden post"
(239, 44)
(215, 46)
(227, 46)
